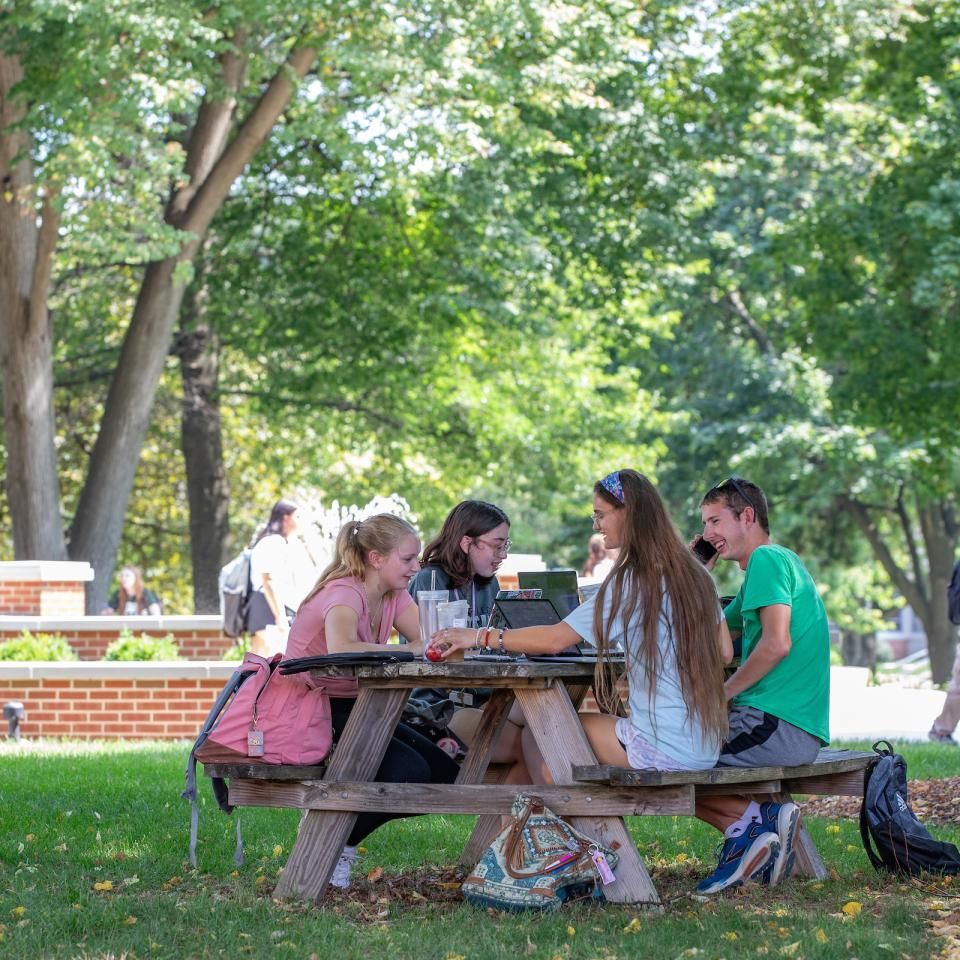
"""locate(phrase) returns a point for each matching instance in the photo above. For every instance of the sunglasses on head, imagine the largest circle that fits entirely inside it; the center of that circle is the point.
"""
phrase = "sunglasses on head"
(737, 484)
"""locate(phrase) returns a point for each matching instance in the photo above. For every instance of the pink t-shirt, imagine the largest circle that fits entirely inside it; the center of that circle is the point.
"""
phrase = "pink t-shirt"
(308, 636)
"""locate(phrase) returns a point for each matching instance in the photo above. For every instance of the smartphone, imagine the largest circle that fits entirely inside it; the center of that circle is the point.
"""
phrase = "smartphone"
(704, 550)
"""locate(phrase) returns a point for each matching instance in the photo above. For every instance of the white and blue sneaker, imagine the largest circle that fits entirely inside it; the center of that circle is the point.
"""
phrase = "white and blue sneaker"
(781, 819)
(742, 858)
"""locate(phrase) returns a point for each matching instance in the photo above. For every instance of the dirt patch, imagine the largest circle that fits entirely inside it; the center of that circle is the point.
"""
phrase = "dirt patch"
(933, 801)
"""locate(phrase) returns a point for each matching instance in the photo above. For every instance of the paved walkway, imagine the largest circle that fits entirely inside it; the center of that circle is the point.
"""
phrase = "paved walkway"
(859, 712)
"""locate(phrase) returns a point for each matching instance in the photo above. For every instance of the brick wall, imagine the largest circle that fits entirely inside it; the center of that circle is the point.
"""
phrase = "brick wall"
(44, 588)
(198, 637)
(114, 700)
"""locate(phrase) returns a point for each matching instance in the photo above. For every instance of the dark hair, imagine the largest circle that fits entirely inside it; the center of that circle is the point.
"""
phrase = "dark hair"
(737, 494)
(654, 563)
(469, 518)
(281, 509)
(355, 541)
(596, 551)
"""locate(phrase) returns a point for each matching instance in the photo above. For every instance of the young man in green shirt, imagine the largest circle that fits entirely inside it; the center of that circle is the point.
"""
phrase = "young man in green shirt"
(780, 695)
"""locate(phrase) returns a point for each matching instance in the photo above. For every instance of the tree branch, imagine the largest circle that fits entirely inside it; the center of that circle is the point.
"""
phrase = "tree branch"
(735, 304)
(911, 542)
(250, 137)
(867, 527)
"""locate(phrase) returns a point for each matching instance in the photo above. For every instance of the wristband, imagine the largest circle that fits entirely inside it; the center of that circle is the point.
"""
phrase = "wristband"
(500, 641)
(486, 639)
(476, 639)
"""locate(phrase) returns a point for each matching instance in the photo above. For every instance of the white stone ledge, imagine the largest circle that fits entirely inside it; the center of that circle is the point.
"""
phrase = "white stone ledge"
(110, 624)
(45, 570)
(117, 669)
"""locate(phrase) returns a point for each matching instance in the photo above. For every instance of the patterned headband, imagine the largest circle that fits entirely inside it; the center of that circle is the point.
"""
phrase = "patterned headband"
(611, 483)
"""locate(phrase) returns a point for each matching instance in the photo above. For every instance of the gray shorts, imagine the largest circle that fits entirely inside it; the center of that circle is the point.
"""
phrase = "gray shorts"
(758, 739)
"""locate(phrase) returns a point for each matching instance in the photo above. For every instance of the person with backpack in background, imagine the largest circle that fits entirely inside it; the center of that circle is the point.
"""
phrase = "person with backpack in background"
(946, 723)
(360, 598)
(281, 571)
(779, 696)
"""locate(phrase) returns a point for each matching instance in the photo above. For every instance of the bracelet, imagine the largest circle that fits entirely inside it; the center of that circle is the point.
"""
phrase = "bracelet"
(500, 641)
(476, 639)
(486, 639)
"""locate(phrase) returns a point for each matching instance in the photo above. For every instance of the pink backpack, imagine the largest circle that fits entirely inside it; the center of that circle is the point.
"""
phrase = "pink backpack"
(290, 719)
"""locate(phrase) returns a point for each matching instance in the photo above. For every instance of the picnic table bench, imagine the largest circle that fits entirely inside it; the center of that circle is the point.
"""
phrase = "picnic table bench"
(596, 797)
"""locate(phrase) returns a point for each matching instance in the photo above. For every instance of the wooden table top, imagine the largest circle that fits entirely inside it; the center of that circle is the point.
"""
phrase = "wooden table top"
(476, 671)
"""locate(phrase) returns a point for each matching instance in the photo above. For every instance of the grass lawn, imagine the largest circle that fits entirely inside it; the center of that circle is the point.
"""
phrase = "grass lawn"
(93, 844)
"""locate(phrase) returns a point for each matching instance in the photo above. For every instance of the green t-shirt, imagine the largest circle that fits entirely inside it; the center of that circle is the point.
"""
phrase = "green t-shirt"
(798, 688)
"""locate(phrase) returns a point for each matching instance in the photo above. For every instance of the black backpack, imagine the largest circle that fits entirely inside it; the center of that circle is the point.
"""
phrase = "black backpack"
(903, 843)
(953, 595)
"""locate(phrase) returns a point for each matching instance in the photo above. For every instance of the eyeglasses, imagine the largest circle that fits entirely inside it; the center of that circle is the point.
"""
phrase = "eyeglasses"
(499, 549)
(737, 484)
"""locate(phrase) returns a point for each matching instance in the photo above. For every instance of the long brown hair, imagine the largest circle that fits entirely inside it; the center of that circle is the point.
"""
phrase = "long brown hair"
(356, 539)
(655, 562)
(469, 518)
(123, 596)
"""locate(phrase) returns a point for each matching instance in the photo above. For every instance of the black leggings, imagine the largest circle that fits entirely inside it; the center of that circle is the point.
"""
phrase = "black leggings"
(410, 758)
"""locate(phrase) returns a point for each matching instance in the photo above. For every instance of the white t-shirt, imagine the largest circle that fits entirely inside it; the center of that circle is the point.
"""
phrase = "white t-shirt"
(292, 573)
(664, 721)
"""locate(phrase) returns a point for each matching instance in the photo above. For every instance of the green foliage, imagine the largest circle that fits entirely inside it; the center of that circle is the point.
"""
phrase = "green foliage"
(238, 650)
(37, 646)
(145, 647)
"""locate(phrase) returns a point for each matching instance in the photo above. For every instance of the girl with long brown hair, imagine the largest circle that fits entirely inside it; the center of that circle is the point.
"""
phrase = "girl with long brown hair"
(659, 607)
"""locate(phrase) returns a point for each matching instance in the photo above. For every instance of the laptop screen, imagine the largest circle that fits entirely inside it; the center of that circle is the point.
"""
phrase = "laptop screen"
(559, 586)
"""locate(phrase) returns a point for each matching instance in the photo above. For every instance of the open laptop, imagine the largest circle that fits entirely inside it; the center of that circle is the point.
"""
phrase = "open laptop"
(515, 612)
(558, 586)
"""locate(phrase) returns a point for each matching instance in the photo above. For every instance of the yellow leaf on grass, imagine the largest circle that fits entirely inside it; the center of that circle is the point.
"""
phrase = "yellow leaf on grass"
(29, 838)
(61, 847)
(260, 879)
(375, 874)
(571, 931)
(633, 926)
(449, 885)
(820, 936)
(361, 849)
(853, 908)
(131, 920)
(851, 848)
(730, 935)
(833, 828)
(790, 949)
(103, 885)
(18, 911)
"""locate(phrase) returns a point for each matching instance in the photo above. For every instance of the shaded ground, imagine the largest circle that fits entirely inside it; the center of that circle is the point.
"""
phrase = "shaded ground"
(933, 801)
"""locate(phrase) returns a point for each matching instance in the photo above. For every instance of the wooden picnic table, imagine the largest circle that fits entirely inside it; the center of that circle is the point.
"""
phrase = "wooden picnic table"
(594, 797)
(546, 691)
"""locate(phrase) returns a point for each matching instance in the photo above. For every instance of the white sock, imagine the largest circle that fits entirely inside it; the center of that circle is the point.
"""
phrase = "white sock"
(749, 815)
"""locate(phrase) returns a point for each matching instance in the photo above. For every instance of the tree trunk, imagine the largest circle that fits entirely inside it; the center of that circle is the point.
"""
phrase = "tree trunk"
(214, 166)
(926, 590)
(202, 442)
(26, 340)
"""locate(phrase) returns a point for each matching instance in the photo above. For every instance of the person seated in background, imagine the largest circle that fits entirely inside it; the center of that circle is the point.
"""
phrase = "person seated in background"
(132, 599)
(600, 560)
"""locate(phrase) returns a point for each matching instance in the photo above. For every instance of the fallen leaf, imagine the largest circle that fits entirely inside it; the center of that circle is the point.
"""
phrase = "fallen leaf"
(853, 908)
(820, 936)
(18, 911)
(130, 921)
(277, 850)
(103, 885)
(375, 874)
(633, 926)
(571, 931)
(730, 935)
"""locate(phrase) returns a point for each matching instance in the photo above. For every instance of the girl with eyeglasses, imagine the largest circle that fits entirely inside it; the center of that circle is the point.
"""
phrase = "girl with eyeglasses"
(463, 559)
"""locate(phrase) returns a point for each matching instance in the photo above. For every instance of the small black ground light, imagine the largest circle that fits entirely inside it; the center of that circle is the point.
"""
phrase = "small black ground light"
(13, 713)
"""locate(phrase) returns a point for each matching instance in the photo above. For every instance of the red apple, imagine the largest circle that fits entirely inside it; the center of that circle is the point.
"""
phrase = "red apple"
(434, 655)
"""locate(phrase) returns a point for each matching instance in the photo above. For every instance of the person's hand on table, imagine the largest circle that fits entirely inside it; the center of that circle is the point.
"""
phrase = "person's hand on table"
(451, 639)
